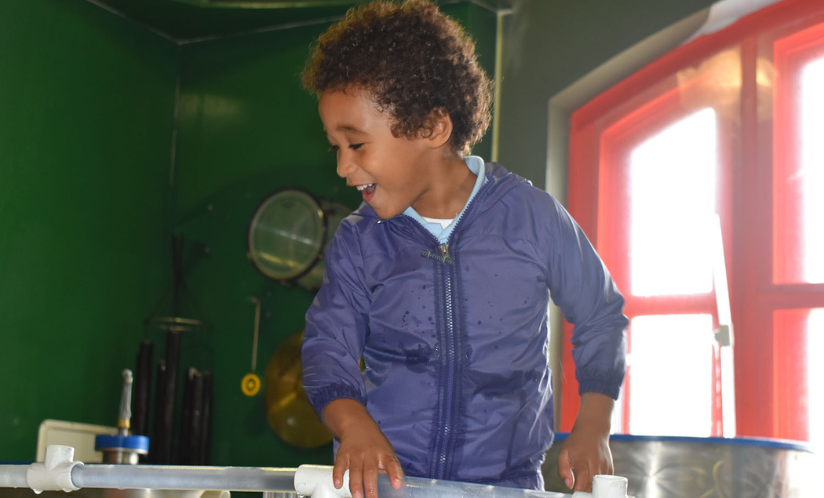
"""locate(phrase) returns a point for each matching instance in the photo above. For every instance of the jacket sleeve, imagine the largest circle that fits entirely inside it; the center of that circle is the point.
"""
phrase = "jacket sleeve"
(336, 326)
(581, 286)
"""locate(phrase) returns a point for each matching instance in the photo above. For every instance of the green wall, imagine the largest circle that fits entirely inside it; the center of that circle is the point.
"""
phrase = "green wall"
(549, 44)
(247, 128)
(85, 140)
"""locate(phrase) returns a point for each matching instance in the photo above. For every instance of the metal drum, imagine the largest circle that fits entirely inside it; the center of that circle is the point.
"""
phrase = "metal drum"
(689, 467)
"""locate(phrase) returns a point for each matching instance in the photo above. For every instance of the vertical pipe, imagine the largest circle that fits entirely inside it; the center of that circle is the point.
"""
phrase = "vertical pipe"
(206, 419)
(184, 456)
(142, 388)
(169, 396)
(196, 417)
(156, 452)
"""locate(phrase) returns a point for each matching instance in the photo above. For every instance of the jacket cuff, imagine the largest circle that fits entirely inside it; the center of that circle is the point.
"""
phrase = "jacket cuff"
(321, 397)
(611, 389)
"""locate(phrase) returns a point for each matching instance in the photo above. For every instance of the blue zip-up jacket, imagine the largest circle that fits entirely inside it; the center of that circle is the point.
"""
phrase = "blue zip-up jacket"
(454, 337)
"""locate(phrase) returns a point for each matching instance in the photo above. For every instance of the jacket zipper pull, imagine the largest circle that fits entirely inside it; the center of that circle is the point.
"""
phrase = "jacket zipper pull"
(445, 252)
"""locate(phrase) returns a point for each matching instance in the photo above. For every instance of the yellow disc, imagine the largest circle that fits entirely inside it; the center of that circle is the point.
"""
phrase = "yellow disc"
(287, 408)
(250, 385)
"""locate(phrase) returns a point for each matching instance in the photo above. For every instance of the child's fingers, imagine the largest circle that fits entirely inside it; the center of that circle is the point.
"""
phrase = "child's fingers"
(565, 469)
(356, 479)
(338, 469)
(395, 471)
(583, 479)
(370, 481)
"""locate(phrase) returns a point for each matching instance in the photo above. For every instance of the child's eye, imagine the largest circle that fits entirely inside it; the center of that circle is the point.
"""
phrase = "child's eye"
(333, 148)
(355, 146)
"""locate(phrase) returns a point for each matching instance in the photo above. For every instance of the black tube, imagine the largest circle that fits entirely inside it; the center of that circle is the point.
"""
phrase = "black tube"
(142, 389)
(206, 419)
(155, 453)
(170, 394)
(184, 455)
(196, 417)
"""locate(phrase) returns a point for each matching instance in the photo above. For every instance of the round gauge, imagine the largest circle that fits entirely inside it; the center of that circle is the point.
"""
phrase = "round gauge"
(288, 235)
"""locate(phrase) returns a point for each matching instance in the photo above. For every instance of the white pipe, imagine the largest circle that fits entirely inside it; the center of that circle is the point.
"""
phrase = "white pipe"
(316, 481)
(308, 479)
(13, 476)
(605, 486)
(59, 472)
(180, 477)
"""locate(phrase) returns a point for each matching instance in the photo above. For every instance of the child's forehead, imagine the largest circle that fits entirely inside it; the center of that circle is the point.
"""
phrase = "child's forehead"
(351, 111)
(350, 103)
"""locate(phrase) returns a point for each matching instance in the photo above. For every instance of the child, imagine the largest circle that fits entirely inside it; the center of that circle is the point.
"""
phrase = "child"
(439, 280)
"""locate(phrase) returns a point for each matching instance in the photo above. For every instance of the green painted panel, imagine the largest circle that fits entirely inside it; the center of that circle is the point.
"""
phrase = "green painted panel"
(184, 21)
(247, 129)
(187, 19)
(85, 141)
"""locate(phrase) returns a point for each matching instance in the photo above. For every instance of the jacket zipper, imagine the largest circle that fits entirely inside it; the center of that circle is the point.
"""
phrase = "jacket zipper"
(445, 442)
(446, 439)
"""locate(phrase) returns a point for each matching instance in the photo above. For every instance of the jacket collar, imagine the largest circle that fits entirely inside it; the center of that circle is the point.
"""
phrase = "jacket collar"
(499, 182)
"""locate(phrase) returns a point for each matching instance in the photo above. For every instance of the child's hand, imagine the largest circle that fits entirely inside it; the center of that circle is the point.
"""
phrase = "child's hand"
(586, 449)
(364, 450)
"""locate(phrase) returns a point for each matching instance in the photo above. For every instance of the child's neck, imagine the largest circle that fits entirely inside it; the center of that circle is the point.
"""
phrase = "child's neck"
(450, 187)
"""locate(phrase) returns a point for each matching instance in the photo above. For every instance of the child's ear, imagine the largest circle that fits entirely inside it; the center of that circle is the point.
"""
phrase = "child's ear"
(438, 129)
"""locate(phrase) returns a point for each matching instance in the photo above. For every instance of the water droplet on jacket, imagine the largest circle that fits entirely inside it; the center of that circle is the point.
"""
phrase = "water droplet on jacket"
(479, 322)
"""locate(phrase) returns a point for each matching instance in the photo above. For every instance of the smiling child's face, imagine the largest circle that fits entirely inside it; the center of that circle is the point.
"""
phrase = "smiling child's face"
(390, 172)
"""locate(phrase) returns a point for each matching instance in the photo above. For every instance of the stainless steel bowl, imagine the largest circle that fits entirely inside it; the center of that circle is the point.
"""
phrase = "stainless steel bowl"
(676, 467)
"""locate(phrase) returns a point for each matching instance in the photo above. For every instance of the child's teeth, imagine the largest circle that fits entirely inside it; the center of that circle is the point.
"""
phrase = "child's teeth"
(363, 187)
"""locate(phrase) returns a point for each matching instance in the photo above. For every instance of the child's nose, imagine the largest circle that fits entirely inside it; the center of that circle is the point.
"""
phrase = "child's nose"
(345, 165)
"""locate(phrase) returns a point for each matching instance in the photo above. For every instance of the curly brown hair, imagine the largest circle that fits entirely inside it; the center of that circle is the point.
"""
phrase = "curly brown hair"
(414, 61)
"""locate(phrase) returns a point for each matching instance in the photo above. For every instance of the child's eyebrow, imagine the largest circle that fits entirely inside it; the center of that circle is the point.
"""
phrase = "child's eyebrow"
(350, 128)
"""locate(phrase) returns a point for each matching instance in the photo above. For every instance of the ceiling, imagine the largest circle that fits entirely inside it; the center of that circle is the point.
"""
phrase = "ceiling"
(191, 20)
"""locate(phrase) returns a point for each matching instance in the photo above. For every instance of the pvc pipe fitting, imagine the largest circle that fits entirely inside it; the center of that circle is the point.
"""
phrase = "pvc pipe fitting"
(316, 481)
(55, 473)
(605, 486)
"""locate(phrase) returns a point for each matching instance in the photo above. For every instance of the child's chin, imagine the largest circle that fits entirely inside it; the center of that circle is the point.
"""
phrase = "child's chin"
(384, 213)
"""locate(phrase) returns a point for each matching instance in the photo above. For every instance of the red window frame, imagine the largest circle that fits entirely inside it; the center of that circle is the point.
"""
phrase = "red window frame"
(767, 405)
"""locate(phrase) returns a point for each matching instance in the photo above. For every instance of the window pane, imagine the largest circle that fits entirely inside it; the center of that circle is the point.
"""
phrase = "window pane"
(812, 171)
(815, 374)
(672, 191)
(671, 375)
